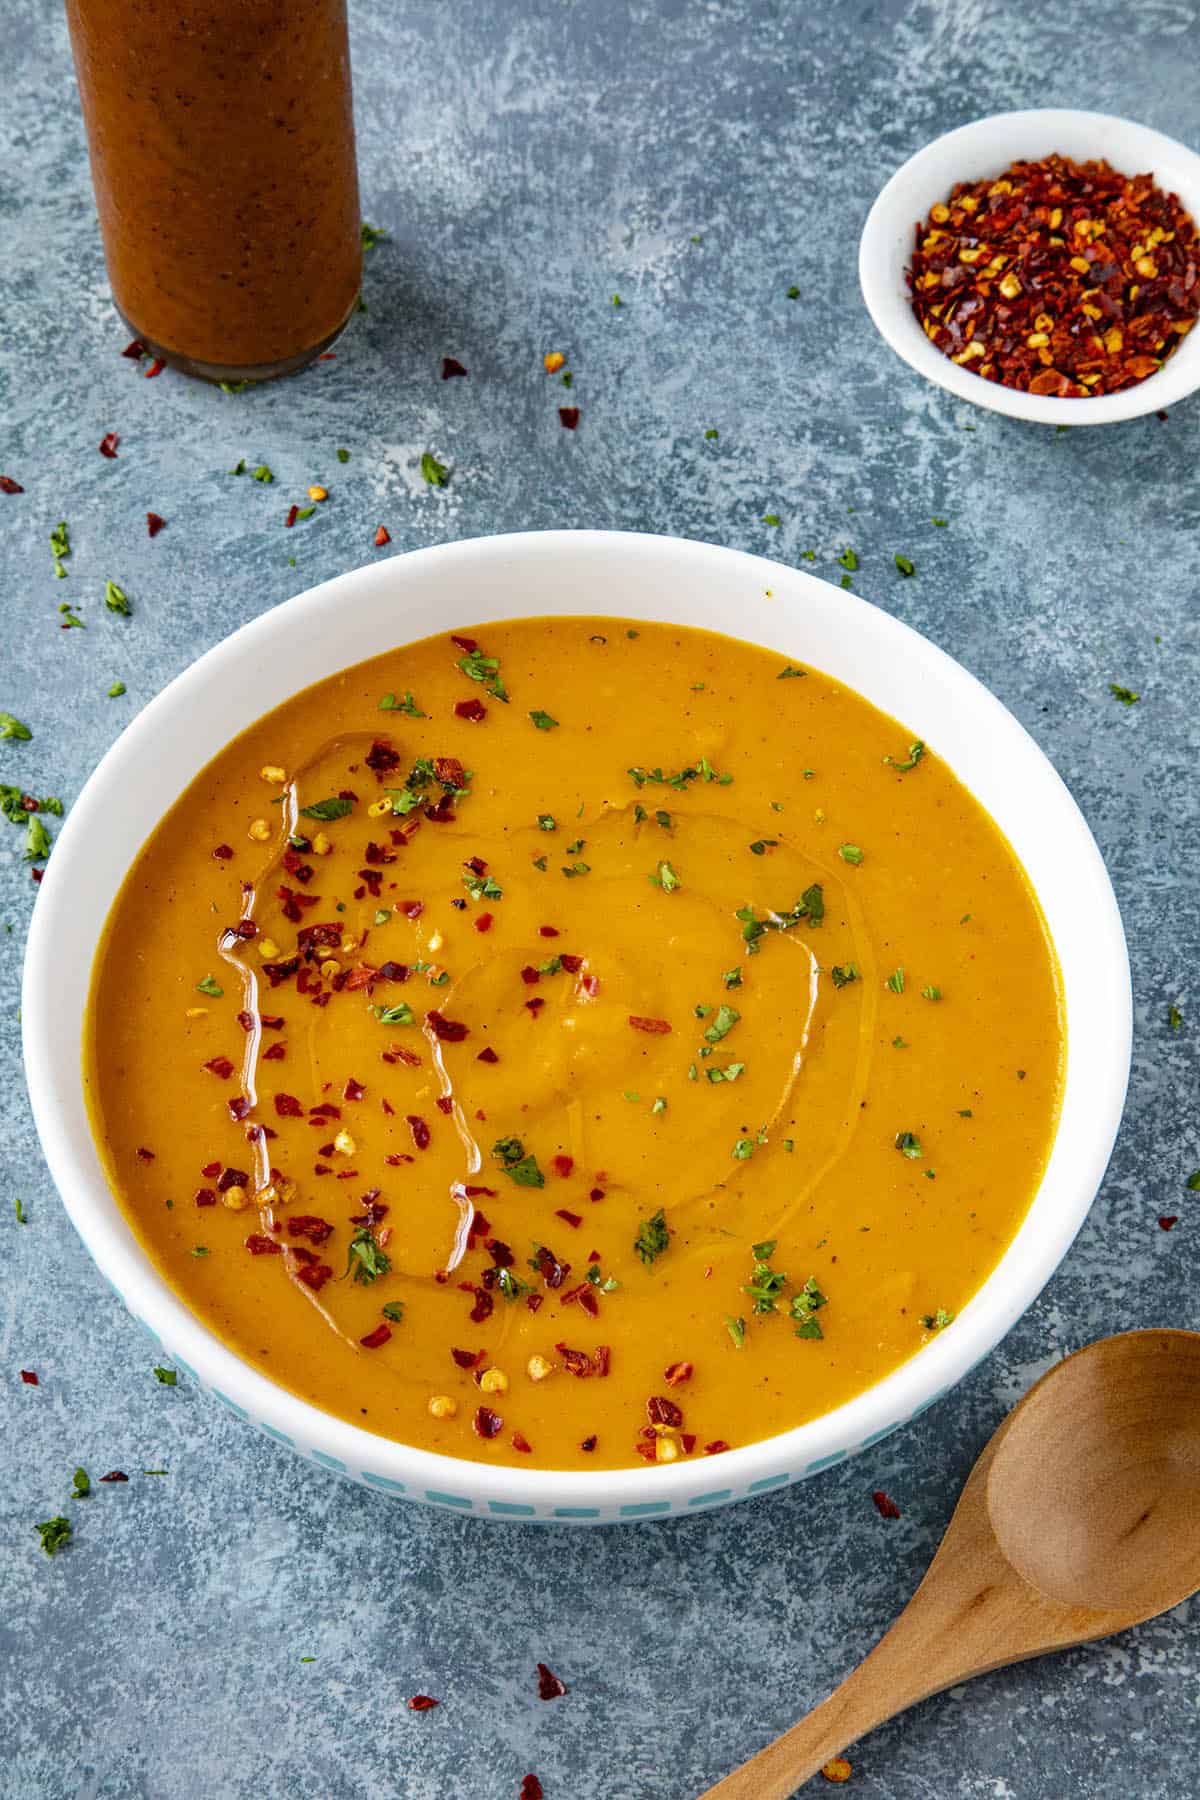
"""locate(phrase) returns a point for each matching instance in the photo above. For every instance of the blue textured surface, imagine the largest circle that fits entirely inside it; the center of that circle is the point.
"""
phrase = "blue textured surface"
(531, 162)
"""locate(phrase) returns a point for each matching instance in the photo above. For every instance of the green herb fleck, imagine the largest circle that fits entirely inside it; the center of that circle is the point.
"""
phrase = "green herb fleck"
(939, 521)
(843, 976)
(712, 432)
(790, 673)
(1174, 1017)
(743, 1148)
(37, 840)
(895, 982)
(13, 728)
(547, 822)
(81, 1485)
(850, 853)
(908, 1144)
(904, 564)
(477, 666)
(20, 1212)
(116, 690)
(1125, 695)
(371, 235)
(937, 1321)
(793, 292)
(931, 993)
(55, 1534)
(737, 1330)
(727, 1017)
(733, 977)
(167, 1377)
(543, 720)
(60, 547)
(394, 1310)
(665, 878)
(848, 559)
(366, 1259)
(435, 473)
(653, 1237)
(263, 474)
(915, 753)
(482, 887)
(518, 1164)
(336, 807)
(400, 1014)
(771, 519)
(116, 599)
(210, 987)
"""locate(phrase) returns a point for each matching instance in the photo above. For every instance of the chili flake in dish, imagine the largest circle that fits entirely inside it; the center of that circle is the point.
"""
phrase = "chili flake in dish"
(530, 1095)
(1060, 278)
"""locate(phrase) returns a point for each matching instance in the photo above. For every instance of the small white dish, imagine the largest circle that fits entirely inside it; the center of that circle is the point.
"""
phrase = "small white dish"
(479, 582)
(988, 147)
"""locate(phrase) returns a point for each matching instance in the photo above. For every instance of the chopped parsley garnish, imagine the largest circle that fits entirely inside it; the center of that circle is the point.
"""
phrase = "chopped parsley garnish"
(510, 1285)
(737, 1330)
(895, 981)
(81, 1485)
(400, 1014)
(371, 235)
(116, 599)
(850, 853)
(382, 916)
(727, 1017)
(408, 705)
(730, 1072)
(771, 519)
(760, 846)
(435, 472)
(931, 993)
(848, 560)
(810, 906)
(547, 822)
(543, 720)
(843, 976)
(70, 620)
(733, 977)
(766, 1284)
(659, 1105)
(262, 473)
(790, 674)
(116, 690)
(653, 1237)
(964, 1112)
(908, 1144)
(793, 292)
(20, 1212)
(477, 666)
(539, 862)
(209, 986)
(937, 1321)
(743, 1148)
(334, 808)
(712, 432)
(576, 868)
(665, 878)
(1174, 1017)
(366, 1260)
(13, 728)
(1193, 1181)
(939, 522)
(904, 564)
(37, 840)
(607, 1284)
(54, 1533)
(915, 753)
(1125, 695)
(702, 771)
(394, 1310)
(167, 1377)
(343, 456)
(518, 1164)
(482, 887)
(60, 547)
(805, 1305)
(898, 1043)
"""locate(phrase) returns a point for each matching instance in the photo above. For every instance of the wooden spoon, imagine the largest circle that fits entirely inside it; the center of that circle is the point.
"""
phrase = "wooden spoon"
(1081, 1517)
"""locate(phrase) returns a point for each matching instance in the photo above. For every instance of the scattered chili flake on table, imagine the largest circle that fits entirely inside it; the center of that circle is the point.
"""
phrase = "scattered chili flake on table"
(569, 417)
(382, 536)
(9, 486)
(1061, 278)
(1168, 1221)
(422, 1703)
(531, 1788)
(549, 1685)
(154, 523)
(115, 1475)
(27, 1375)
(108, 445)
(452, 367)
(885, 1506)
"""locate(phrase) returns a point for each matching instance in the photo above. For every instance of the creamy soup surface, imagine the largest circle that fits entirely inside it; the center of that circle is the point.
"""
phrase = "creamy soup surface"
(575, 1042)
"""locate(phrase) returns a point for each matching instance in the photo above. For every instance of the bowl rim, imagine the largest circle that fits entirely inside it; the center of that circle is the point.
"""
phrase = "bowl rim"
(53, 1055)
(995, 142)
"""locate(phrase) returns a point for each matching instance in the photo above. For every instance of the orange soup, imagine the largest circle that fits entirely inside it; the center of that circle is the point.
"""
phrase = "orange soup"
(574, 1043)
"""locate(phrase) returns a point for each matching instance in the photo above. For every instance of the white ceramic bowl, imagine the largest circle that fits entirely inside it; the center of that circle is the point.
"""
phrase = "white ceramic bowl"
(987, 147)
(457, 585)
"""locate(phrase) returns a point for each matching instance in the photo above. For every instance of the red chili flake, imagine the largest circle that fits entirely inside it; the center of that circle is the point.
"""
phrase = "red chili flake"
(531, 1788)
(353, 1090)
(156, 368)
(449, 771)
(229, 1177)
(238, 1108)
(483, 1306)
(486, 1423)
(154, 524)
(382, 536)
(552, 1272)
(447, 1031)
(412, 909)
(489, 1193)
(1168, 1221)
(307, 1225)
(36, 875)
(589, 985)
(569, 417)
(474, 710)
(422, 1703)
(374, 1339)
(145, 1155)
(382, 759)
(483, 921)
(468, 1359)
(548, 931)
(549, 1685)
(275, 1053)
(487, 1055)
(677, 1373)
(578, 1362)
(656, 1026)
(661, 1411)
(445, 1103)
(452, 367)
(293, 515)
(220, 1066)
(211, 1169)
(258, 1245)
(589, 1443)
(205, 1197)
(572, 964)
(563, 1165)
(569, 1218)
(29, 1378)
(1061, 278)
(534, 1006)
(108, 445)
(529, 975)
(717, 1446)
(223, 852)
(885, 1506)
(520, 1442)
(419, 1129)
(464, 643)
(9, 486)
(597, 1193)
(115, 1475)
(288, 1107)
(315, 1276)
(134, 350)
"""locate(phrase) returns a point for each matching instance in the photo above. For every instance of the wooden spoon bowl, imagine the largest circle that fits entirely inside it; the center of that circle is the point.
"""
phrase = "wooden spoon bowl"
(1081, 1518)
